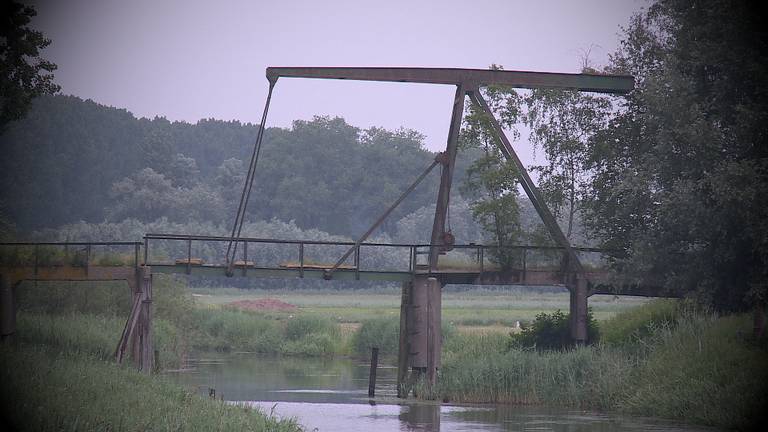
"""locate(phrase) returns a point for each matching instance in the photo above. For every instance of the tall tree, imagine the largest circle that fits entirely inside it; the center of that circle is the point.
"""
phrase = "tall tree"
(562, 122)
(491, 181)
(24, 74)
(681, 172)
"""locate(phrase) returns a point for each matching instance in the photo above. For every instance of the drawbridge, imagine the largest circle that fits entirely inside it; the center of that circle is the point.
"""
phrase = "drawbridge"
(423, 269)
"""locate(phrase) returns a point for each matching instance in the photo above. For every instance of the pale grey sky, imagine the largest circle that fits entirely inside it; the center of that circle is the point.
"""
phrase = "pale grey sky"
(190, 59)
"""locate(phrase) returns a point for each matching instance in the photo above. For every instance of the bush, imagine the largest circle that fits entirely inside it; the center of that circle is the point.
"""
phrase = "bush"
(703, 371)
(383, 333)
(639, 322)
(552, 332)
(226, 330)
(303, 325)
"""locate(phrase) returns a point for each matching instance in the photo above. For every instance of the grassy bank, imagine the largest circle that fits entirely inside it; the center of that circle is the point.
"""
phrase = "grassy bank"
(694, 367)
(232, 330)
(45, 389)
(59, 375)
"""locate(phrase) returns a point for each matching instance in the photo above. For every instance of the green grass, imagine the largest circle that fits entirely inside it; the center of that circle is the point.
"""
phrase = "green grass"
(704, 370)
(639, 322)
(234, 330)
(483, 371)
(46, 390)
(383, 333)
(699, 369)
(476, 307)
(94, 335)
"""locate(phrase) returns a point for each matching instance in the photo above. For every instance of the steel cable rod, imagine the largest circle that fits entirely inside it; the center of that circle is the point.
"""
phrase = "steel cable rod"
(248, 185)
(329, 272)
(528, 185)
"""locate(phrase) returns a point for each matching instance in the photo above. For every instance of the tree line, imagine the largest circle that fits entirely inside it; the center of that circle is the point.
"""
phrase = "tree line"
(72, 160)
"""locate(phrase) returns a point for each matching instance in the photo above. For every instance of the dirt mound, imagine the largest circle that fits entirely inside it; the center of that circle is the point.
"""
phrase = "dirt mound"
(262, 305)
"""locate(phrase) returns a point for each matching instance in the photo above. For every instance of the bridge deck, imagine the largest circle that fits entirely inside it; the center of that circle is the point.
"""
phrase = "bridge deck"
(475, 269)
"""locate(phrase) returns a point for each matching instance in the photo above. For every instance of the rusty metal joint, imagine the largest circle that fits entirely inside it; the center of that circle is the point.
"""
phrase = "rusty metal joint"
(442, 158)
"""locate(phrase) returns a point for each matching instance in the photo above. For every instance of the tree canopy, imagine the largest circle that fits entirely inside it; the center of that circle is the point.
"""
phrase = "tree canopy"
(24, 74)
(680, 172)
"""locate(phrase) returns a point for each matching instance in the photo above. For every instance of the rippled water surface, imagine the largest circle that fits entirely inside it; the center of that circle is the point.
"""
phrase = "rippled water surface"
(332, 395)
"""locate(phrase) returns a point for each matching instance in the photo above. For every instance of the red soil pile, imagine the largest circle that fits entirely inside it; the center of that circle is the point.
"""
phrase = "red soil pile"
(266, 304)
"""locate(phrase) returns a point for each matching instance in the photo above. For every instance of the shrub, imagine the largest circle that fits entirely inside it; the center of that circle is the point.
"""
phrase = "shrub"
(639, 322)
(226, 330)
(552, 332)
(383, 333)
(303, 325)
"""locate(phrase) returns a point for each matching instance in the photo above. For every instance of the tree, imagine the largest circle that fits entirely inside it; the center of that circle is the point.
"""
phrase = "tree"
(24, 75)
(146, 196)
(562, 122)
(681, 172)
(183, 170)
(491, 181)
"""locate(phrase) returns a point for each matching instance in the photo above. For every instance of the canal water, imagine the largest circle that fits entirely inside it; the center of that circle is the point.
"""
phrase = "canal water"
(332, 395)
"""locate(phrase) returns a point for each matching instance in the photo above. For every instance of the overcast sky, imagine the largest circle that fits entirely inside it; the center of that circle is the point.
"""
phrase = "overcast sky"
(187, 60)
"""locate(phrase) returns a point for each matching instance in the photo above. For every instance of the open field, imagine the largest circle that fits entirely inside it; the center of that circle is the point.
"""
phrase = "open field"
(467, 309)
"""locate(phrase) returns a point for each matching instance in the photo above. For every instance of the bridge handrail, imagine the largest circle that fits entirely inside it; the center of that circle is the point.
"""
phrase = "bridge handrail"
(351, 243)
(69, 243)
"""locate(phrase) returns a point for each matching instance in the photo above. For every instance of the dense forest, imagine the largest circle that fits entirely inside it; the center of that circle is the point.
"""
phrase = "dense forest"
(71, 160)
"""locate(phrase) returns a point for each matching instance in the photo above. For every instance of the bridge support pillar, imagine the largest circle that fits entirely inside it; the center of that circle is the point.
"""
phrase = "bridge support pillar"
(420, 334)
(142, 347)
(7, 309)
(579, 309)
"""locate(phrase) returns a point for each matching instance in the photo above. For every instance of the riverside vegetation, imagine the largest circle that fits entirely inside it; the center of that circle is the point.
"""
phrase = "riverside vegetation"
(659, 359)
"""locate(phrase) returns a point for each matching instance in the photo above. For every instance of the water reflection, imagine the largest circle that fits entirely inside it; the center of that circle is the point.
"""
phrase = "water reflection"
(420, 417)
(331, 395)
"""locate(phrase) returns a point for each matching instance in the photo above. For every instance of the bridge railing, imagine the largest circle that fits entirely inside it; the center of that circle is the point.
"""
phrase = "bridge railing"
(193, 250)
(70, 253)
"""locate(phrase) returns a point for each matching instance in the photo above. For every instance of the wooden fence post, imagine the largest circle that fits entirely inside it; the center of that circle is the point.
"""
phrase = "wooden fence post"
(372, 373)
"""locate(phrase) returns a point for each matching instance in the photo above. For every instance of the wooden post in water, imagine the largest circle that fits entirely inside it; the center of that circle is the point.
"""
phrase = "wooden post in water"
(7, 309)
(372, 373)
(578, 308)
(434, 330)
(403, 346)
(421, 349)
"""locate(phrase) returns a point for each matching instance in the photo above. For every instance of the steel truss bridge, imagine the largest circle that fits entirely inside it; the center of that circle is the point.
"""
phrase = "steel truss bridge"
(422, 268)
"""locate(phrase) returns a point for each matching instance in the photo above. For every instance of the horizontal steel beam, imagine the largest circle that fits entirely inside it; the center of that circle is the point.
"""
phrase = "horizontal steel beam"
(114, 243)
(470, 78)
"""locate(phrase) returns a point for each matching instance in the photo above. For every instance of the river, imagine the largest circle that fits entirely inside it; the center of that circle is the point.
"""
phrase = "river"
(331, 394)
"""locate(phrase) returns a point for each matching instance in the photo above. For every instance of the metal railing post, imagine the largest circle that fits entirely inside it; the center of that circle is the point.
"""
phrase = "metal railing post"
(301, 260)
(245, 258)
(357, 262)
(482, 259)
(189, 256)
(411, 264)
(525, 265)
(36, 250)
(87, 258)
